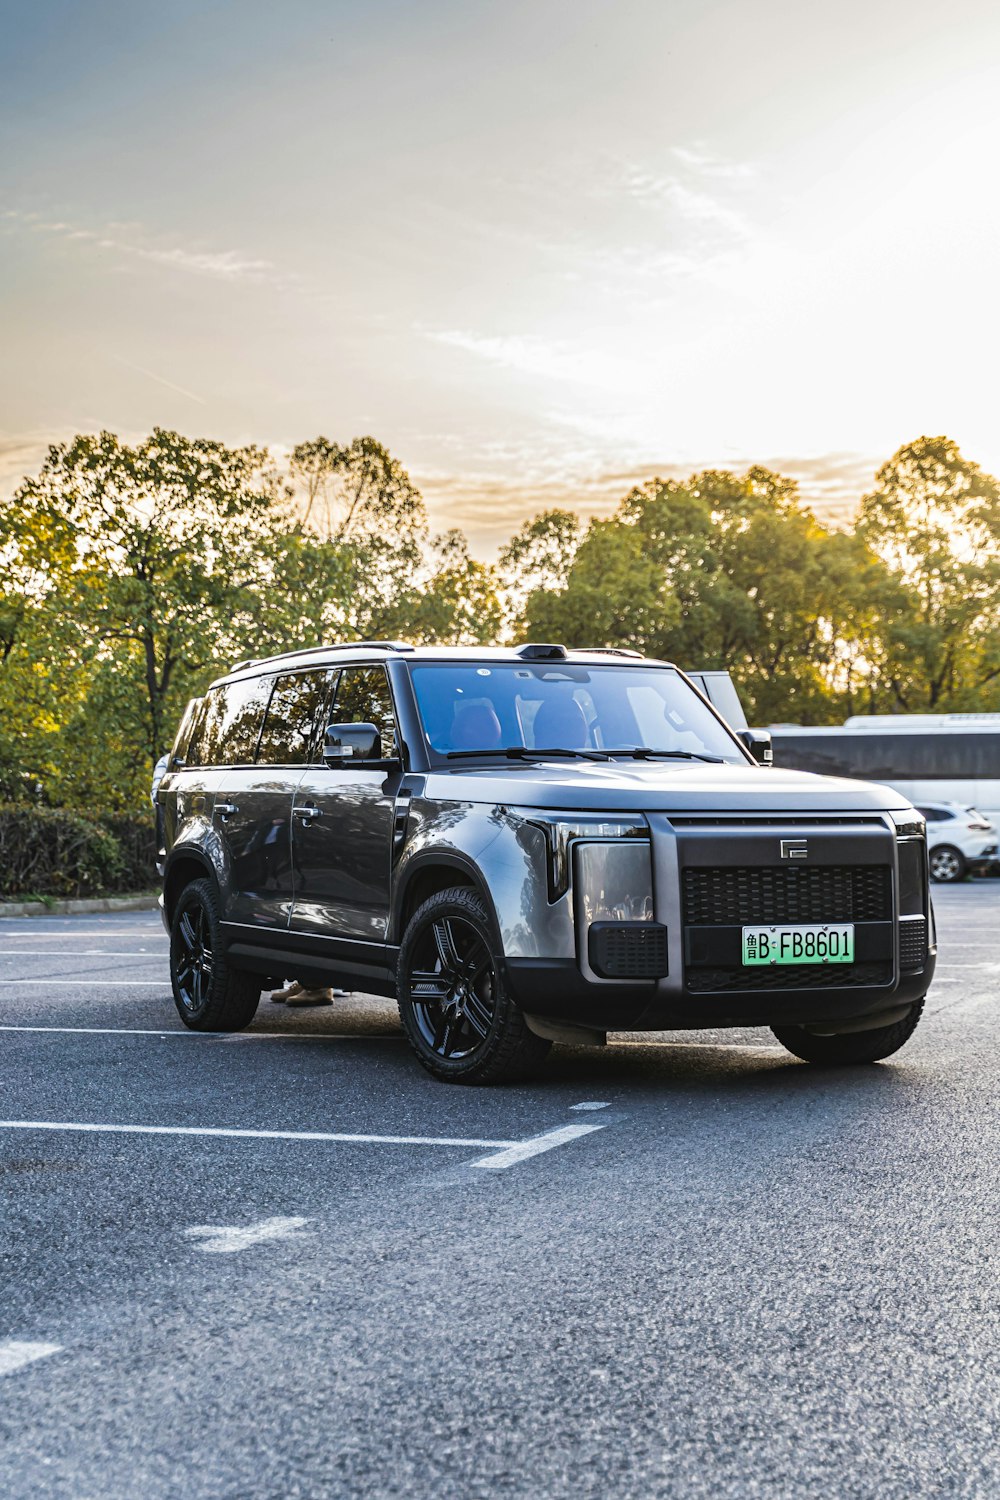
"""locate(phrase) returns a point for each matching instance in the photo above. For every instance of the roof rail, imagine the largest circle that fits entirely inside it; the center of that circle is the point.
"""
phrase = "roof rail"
(542, 651)
(613, 651)
(261, 661)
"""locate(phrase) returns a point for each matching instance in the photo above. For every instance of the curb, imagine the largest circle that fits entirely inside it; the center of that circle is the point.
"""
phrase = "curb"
(80, 908)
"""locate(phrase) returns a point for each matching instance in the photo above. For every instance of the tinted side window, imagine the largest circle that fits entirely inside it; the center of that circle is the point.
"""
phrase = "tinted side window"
(363, 697)
(234, 713)
(297, 701)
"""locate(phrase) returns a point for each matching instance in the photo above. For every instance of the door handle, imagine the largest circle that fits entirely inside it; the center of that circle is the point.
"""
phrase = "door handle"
(307, 813)
(226, 809)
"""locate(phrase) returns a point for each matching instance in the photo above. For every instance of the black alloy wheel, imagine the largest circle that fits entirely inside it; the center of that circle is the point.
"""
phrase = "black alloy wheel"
(453, 999)
(208, 993)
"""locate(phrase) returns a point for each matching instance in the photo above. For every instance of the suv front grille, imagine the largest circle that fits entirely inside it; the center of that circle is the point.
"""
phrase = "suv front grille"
(723, 896)
(788, 977)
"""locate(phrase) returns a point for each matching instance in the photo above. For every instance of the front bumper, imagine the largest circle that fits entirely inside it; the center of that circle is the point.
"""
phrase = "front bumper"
(709, 877)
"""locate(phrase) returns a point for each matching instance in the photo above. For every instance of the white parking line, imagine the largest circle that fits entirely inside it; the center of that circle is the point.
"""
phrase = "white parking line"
(518, 1151)
(703, 1046)
(591, 1104)
(15, 1354)
(503, 1154)
(160, 957)
(219, 1036)
(221, 1239)
(262, 1135)
(983, 968)
(156, 984)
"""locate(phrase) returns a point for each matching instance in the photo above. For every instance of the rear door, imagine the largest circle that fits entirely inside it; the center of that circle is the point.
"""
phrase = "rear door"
(342, 822)
(253, 807)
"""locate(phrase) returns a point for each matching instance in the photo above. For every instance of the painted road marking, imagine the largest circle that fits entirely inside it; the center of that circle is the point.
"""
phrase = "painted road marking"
(279, 1135)
(591, 1104)
(15, 1354)
(518, 1151)
(221, 1239)
(134, 984)
(220, 1036)
(503, 1154)
(705, 1046)
(160, 955)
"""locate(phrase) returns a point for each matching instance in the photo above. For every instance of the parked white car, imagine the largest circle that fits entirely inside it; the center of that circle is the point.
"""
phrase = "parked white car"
(960, 840)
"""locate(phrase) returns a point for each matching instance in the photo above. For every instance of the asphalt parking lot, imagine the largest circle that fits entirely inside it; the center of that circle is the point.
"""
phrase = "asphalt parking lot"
(288, 1263)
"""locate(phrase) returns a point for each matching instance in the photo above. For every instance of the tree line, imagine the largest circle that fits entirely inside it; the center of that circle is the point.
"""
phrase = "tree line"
(133, 574)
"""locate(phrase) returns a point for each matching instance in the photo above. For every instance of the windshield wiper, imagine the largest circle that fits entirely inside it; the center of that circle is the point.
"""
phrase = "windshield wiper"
(643, 752)
(522, 752)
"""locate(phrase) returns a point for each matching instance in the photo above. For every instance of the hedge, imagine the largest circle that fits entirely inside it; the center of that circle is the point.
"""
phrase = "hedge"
(49, 852)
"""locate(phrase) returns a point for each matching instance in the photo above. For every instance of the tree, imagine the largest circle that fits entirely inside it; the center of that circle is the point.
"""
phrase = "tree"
(455, 599)
(538, 556)
(139, 557)
(721, 571)
(934, 519)
(360, 503)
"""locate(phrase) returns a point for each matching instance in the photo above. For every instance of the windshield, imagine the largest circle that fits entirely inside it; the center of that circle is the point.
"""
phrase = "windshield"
(596, 711)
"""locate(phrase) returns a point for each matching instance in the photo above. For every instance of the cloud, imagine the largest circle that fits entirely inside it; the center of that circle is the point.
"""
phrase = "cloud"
(558, 360)
(160, 379)
(490, 507)
(691, 204)
(222, 265)
(698, 158)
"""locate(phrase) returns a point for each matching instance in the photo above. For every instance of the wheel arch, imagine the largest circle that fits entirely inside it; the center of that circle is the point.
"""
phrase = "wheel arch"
(184, 865)
(433, 871)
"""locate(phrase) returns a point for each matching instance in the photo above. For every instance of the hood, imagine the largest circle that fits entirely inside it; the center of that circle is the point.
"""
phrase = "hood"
(637, 786)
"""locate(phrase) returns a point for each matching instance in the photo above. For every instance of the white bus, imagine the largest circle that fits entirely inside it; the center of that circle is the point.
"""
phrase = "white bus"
(926, 757)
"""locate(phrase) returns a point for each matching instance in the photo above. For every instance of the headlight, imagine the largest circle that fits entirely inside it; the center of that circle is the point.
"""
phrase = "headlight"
(561, 832)
(909, 823)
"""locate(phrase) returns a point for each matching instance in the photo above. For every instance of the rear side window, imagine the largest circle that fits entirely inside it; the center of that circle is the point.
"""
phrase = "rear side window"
(363, 697)
(231, 724)
(289, 734)
(186, 734)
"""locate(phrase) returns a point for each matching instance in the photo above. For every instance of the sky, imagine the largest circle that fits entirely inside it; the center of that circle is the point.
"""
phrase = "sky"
(542, 249)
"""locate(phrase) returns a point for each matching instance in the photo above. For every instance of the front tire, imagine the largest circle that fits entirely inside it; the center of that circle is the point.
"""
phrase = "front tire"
(947, 864)
(852, 1047)
(208, 993)
(454, 1003)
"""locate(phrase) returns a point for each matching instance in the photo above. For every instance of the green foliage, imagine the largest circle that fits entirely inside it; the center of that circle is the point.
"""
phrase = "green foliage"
(55, 853)
(129, 564)
(130, 575)
(934, 519)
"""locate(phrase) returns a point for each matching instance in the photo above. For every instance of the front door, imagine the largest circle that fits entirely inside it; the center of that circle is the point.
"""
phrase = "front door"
(342, 824)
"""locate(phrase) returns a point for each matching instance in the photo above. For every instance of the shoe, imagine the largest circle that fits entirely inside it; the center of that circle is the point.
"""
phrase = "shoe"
(317, 996)
(280, 997)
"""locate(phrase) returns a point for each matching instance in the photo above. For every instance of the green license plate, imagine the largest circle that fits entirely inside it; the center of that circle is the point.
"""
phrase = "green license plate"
(802, 944)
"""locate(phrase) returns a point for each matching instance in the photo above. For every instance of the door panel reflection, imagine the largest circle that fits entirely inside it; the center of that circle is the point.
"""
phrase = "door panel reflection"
(342, 858)
(253, 809)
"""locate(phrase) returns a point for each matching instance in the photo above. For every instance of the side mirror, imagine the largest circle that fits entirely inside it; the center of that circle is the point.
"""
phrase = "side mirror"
(351, 742)
(758, 742)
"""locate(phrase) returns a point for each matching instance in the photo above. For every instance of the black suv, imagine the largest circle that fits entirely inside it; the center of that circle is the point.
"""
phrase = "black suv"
(528, 845)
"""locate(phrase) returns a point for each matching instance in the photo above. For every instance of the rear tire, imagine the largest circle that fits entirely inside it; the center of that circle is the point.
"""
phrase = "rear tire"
(947, 864)
(852, 1046)
(208, 993)
(454, 1003)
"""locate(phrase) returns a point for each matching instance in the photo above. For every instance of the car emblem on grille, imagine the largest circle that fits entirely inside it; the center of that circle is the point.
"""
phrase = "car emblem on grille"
(794, 849)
